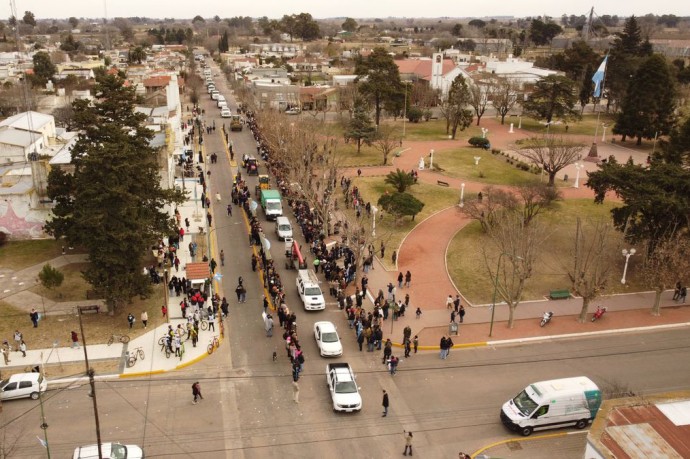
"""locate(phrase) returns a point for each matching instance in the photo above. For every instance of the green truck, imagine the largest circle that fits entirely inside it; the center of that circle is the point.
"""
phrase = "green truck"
(271, 204)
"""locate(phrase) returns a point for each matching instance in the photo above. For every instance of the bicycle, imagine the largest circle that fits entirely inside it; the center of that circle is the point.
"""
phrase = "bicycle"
(203, 324)
(213, 345)
(124, 339)
(164, 346)
(137, 353)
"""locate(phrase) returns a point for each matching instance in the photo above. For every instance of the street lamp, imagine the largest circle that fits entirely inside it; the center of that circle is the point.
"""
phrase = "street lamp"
(431, 160)
(462, 194)
(603, 133)
(627, 254)
(484, 133)
(519, 121)
(578, 166)
(493, 302)
(476, 160)
(374, 209)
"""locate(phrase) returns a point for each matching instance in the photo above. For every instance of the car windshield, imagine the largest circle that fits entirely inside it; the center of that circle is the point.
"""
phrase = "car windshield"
(118, 451)
(273, 205)
(312, 291)
(4, 382)
(347, 387)
(284, 227)
(524, 403)
(330, 337)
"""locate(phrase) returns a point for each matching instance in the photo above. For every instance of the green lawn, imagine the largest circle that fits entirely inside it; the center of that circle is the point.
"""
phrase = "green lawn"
(73, 286)
(586, 126)
(492, 169)
(467, 267)
(435, 198)
(18, 255)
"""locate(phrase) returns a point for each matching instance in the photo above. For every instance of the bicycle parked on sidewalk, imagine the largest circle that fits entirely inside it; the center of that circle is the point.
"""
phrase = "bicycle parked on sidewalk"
(137, 353)
(124, 339)
(213, 344)
(163, 342)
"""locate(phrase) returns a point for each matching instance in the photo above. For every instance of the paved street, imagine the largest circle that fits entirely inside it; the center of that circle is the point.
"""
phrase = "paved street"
(248, 412)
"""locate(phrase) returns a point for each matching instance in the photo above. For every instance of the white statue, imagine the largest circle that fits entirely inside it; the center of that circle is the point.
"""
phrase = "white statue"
(421, 163)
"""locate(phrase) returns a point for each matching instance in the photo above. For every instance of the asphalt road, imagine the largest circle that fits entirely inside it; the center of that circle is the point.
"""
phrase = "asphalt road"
(248, 412)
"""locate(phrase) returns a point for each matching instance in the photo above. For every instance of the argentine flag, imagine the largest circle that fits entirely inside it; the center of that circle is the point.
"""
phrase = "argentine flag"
(598, 77)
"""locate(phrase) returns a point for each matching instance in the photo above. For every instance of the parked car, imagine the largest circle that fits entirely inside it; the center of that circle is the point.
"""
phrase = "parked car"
(327, 339)
(22, 385)
(293, 111)
(110, 451)
(225, 113)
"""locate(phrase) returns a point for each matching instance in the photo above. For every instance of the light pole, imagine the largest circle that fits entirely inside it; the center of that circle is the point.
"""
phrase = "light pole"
(476, 160)
(374, 209)
(603, 132)
(431, 160)
(519, 121)
(493, 302)
(405, 109)
(462, 194)
(627, 254)
(484, 133)
(578, 166)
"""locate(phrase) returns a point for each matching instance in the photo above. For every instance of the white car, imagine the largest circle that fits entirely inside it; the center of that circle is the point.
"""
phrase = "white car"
(327, 339)
(109, 450)
(225, 113)
(22, 385)
(293, 111)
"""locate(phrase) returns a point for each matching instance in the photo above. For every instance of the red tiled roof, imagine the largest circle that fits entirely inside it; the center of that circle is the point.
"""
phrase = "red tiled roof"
(157, 81)
(196, 271)
(422, 67)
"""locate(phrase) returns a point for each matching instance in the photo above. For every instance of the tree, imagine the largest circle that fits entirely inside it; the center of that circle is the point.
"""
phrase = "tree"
(112, 203)
(517, 245)
(70, 45)
(50, 277)
(74, 22)
(350, 25)
(401, 204)
(591, 266)
(655, 199)
(649, 105)
(537, 198)
(457, 30)
(198, 21)
(453, 108)
(661, 267)
(400, 180)
(677, 150)
(64, 116)
(385, 141)
(478, 99)
(44, 69)
(541, 33)
(504, 96)
(378, 78)
(625, 57)
(551, 154)
(29, 18)
(223, 44)
(586, 88)
(136, 54)
(553, 96)
(12, 21)
(478, 23)
(360, 127)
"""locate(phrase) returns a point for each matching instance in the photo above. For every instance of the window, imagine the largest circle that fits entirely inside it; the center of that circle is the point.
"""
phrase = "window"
(24, 384)
(10, 386)
(542, 410)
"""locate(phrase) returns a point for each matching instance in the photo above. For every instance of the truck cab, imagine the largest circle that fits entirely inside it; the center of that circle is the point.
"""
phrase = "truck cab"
(309, 290)
(344, 390)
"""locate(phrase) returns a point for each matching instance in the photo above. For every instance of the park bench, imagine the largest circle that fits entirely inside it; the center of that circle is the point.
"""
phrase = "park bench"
(559, 294)
(442, 183)
(92, 308)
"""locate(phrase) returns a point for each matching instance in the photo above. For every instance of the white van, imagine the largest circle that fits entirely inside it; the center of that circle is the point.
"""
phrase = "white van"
(553, 404)
(283, 228)
(22, 385)
(109, 450)
(309, 290)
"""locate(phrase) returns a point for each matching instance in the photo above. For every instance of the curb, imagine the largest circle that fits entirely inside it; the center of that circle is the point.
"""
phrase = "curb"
(532, 339)
(521, 439)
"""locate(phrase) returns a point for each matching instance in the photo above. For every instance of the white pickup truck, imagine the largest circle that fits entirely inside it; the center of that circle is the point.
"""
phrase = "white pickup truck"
(343, 387)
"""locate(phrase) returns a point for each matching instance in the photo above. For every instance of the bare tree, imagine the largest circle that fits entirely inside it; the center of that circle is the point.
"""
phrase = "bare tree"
(387, 138)
(665, 265)
(518, 244)
(591, 259)
(551, 154)
(504, 96)
(488, 210)
(479, 99)
(537, 198)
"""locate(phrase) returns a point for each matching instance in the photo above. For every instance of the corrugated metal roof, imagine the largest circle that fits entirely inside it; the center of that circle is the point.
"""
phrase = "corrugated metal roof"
(21, 121)
(197, 271)
(18, 138)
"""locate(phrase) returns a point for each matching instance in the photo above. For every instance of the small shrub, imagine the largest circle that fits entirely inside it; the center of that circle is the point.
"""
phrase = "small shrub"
(496, 151)
(481, 174)
(479, 142)
(414, 114)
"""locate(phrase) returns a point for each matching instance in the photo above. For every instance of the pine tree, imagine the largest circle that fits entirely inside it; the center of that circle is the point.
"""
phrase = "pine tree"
(361, 128)
(379, 79)
(112, 204)
(553, 96)
(650, 102)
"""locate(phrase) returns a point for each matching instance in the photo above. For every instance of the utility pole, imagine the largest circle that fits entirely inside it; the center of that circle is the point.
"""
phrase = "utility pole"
(90, 372)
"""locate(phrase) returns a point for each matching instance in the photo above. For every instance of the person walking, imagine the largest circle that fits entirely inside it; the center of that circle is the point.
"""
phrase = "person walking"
(229, 209)
(268, 325)
(75, 340)
(387, 351)
(18, 337)
(401, 278)
(295, 391)
(393, 364)
(406, 343)
(462, 313)
(449, 302)
(5, 352)
(456, 304)
(144, 318)
(22, 348)
(385, 404)
(444, 349)
(33, 315)
(676, 291)
(212, 321)
(415, 343)
(222, 257)
(683, 294)
(213, 265)
(196, 392)
(130, 320)
(408, 443)
(408, 279)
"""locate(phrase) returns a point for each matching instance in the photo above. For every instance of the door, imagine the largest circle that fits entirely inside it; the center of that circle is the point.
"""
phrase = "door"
(10, 391)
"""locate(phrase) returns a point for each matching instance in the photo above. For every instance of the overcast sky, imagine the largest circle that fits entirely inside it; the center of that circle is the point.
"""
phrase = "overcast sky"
(342, 8)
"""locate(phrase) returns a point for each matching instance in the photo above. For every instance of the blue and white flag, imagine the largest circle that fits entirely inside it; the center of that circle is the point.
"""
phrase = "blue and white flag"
(598, 77)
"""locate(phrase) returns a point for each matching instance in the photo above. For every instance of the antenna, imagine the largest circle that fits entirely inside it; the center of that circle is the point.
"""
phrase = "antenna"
(105, 25)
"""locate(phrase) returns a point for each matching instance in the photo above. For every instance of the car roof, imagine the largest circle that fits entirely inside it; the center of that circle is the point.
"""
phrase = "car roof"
(325, 326)
(24, 377)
